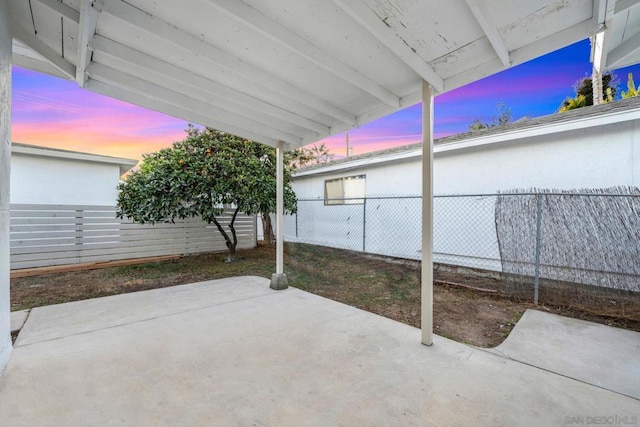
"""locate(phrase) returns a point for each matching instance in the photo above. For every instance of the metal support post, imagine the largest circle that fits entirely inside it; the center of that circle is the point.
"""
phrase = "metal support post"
(5, 175)
(279, 279)
(427, 215)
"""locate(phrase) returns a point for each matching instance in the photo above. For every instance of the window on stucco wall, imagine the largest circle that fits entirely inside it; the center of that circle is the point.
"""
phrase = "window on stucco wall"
(349, 190)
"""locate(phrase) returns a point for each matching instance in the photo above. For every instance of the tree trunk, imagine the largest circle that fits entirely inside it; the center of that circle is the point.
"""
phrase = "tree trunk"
(231, 244)
(267, 228)
(234, 244)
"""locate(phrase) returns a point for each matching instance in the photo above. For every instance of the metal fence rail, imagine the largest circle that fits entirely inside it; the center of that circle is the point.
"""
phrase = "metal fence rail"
(532, 241)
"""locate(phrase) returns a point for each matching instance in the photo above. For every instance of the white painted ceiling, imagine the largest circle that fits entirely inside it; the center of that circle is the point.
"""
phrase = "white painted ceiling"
(299, 70)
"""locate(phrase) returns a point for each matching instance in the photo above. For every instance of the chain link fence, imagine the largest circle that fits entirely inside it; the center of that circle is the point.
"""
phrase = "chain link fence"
(577, 249)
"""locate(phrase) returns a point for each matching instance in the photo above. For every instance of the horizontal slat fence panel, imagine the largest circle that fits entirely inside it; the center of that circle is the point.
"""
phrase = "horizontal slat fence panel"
(53, 235)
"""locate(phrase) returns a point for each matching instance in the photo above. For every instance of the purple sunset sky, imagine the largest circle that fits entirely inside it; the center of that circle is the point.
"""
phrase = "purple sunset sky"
(52, 112)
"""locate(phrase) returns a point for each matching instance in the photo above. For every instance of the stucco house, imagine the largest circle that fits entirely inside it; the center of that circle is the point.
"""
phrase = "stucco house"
(591, 147)
(41, 175)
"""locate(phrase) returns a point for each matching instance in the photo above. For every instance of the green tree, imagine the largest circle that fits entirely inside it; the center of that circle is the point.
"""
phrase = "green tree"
(501, 118)
(572, 103)
(631, 88)
(584, 92)
(199, 177)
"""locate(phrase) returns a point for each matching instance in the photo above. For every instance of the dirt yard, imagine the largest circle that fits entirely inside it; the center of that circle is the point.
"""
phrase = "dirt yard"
(377, 285)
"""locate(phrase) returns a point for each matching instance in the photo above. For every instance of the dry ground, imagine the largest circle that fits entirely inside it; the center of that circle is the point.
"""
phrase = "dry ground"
(386, 288)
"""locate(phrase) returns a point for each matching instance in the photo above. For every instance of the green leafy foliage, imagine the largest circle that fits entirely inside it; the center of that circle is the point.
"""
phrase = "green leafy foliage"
(584, 92)
(631, 88)
(572, 103)
(199, 177)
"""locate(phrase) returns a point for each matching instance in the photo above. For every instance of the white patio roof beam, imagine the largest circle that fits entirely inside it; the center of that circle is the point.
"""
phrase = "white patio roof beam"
(622, 5)
(599, 13)
(114, 67)
(142, 87)
(364, 16)
(369, 116)
(630, 47)
(38, 46)
(490, 30)
(62, 9)
(293, 42)
(209, 90)
(170, 109)
(86, 30)
(169, 33)
(550, 43)
(27, 58)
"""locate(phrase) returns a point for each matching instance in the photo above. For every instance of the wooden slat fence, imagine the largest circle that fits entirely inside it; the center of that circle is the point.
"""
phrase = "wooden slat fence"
(49, 235)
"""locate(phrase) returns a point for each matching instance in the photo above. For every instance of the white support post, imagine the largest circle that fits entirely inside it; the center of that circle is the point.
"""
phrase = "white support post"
(279, 279)
(5, 174)
(427, 215)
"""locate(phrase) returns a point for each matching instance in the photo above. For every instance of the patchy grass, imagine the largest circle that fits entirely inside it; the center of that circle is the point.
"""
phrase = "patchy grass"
(386, 288)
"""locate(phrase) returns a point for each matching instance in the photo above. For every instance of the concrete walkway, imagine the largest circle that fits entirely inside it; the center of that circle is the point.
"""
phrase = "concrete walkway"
(233, 352)
(596, 354)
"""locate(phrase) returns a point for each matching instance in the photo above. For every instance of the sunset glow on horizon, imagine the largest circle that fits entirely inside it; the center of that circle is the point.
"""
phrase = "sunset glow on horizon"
(52, 112)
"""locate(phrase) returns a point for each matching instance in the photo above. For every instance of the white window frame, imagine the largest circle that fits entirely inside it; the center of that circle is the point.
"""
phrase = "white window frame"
(349, 190)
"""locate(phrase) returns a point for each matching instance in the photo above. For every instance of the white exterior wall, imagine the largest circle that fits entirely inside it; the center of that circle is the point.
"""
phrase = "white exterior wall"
(50, 180)
(598, 157)
(381, 180)
(5, 166)
(595, 157)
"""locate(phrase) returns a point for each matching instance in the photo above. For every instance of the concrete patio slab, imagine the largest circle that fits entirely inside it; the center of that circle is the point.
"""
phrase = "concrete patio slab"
(17, 319)
(234, 352)
(596, 354)
(61, 320)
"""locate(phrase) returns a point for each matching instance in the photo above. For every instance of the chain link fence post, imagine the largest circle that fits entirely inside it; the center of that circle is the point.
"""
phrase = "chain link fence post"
(536, 285)
(364, 224)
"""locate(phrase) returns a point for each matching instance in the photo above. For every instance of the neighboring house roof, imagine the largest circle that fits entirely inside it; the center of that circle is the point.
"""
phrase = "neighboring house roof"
(34, 150)
(581, 118)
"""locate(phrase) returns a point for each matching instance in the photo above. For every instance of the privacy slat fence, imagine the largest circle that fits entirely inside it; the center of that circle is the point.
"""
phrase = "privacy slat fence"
(50, 235)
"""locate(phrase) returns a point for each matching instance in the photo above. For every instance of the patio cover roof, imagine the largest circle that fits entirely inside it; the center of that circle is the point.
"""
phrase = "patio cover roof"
(299, 71)
(618, 44)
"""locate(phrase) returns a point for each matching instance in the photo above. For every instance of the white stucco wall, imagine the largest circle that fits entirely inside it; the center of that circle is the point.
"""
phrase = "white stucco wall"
(5, 165)
(464, 228)
(48, 180)
(596, 157)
